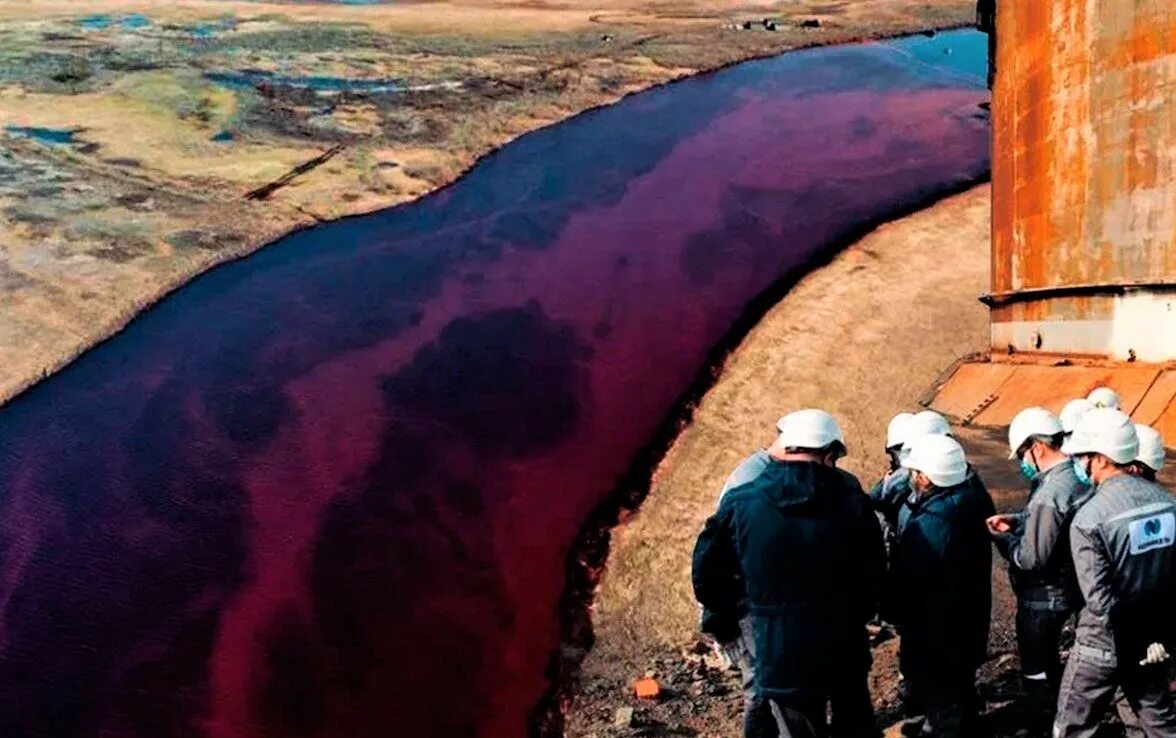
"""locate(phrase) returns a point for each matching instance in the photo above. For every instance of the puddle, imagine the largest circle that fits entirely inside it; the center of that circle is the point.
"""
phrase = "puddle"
(251, 79)
(103, 22)
(55, 136)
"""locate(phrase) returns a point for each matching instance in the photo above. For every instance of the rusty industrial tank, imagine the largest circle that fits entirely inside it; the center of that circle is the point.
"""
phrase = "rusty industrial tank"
(1084, 179)
(1084, 213)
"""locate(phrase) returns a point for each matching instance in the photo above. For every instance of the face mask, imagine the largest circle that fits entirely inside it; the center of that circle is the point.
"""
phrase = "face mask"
(1081, 472)
(1028, 470)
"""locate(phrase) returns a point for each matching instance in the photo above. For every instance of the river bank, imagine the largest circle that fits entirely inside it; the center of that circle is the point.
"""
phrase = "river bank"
(149, 187)
(863, 337)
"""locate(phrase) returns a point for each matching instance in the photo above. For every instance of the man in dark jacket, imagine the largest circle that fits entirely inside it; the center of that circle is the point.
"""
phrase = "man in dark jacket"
(797, 551)
(1036, 544)
(940, 591)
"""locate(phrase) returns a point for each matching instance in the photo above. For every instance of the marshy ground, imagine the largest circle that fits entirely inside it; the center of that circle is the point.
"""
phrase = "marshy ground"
(133, 131)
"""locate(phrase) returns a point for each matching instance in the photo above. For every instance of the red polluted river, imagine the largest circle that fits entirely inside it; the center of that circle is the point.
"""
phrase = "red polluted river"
(330, 490)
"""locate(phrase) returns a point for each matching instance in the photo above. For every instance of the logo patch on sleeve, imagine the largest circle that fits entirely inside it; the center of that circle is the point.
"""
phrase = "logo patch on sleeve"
(1157, 531)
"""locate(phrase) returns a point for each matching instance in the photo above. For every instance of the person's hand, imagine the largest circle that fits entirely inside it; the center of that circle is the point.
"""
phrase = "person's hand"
(999, 524)
(1156, 654)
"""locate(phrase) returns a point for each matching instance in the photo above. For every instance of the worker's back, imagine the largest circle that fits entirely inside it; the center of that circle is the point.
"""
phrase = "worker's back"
(809, 552)
(1128, 527)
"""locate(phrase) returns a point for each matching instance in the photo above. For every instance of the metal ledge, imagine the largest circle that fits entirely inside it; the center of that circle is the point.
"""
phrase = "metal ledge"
(1072, 290)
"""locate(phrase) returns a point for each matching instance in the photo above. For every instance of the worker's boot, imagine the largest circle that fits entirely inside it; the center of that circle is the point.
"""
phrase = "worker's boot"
(1040, 703)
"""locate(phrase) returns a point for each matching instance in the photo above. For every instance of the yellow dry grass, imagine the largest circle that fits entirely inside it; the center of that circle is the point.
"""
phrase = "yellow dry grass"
(65, 282)
(493, 17)
(137, 127)
(862, 338)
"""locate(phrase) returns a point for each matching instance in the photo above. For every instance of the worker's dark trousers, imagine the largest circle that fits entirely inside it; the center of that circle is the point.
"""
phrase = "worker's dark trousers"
(1088, 689)
(849, 702)
(1039, 637)
(948, 702)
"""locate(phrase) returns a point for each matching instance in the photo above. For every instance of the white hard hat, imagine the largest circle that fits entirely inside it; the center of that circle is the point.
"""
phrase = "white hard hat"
(1151, 447)
(1107, 432)
(926, 423)
(1032, 421)
(1105, 397)
(940, 457)
(810, 429)
(1073, 412)
(896, 432)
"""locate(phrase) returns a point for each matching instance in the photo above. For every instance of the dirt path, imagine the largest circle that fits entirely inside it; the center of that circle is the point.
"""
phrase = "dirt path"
(863, 338)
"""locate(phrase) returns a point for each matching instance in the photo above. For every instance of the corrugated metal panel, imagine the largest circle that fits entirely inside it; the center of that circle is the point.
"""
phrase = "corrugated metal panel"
(991, 393)
(1158, 399)
(969, 386)
(1084, 180)
(1052, 387)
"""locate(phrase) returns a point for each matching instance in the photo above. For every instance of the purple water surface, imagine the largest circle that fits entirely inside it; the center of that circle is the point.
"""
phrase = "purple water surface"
(329, 490)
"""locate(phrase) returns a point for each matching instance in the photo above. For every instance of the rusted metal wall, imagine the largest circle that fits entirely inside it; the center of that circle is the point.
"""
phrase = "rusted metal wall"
(1084, 178)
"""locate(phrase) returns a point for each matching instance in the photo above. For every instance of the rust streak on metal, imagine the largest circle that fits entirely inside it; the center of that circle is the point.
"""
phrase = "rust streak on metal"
(1084, 172)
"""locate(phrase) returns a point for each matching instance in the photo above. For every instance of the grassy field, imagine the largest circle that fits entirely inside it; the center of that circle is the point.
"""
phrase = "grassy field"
(175, 110)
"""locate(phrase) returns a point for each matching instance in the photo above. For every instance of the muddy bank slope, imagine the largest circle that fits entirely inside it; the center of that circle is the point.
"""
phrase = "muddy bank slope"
(863, 337)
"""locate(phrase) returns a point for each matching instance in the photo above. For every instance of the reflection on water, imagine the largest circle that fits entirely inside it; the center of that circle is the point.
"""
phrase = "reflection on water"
(329, 490)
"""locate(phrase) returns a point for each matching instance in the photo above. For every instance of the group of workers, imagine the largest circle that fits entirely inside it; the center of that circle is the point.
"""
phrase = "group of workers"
(799, 559)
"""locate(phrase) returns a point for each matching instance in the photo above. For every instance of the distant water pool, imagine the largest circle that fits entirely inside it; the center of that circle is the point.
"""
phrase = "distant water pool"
(250, 79)
(102, 22)
(57, 136)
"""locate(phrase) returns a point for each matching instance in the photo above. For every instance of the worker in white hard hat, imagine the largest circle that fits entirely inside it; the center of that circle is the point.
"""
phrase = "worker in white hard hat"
(1124, 547)
(1105, 397)
(1072, 412)
(939, 592)
(889, 494)
(1149, 462)
(1036, 544)
(791, 565)
(897, 432)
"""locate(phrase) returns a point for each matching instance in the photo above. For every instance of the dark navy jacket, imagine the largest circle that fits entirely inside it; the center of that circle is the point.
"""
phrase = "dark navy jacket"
(940, 589)
(797, 549)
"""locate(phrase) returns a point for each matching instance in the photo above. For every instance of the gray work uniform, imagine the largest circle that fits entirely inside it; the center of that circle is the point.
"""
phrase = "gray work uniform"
(1041, 571)
(1124, 546)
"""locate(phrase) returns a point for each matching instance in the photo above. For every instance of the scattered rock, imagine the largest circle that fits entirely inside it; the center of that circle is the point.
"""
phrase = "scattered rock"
(930, 33)
(623, 717)
(810, 23)
(646, 688)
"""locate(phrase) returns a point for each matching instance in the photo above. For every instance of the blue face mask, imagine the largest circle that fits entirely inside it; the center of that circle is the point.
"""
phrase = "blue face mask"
(1028, 470)
(1082, 474)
